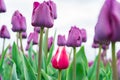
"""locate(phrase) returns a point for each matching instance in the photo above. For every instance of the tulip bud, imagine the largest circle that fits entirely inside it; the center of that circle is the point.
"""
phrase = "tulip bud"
(50, 42)
(33, 37)
(24, 35)
(18, 22)
(42, 15)
(60, 60)
(84, 35)
(90, 63)
(61, 41)
(27, 47)
(2, 6)
(4, 33)
(74, 37)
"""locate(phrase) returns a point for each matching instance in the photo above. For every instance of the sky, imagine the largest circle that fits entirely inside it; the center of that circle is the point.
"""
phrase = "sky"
(82, 13)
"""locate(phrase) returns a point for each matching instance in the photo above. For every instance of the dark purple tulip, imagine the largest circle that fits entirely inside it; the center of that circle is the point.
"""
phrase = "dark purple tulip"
(61, 41)
(90, 63)
(24, 35)
(42, 15)
(84, 35)
(18, 22)
(2, 6)
(50, 42)
(33, 37)
(74, 37)
(118, 54)
(53, 9)
(104, 46)
(4, 33)
(103, 54)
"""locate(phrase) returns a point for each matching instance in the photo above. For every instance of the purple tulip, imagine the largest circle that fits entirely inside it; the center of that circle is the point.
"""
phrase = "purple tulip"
(84, 35)
(95, 45)
(118, 68)
(2, 6)
(104, 46)
(24, 35)
(50, 42)
(33, 37)
(37, 29)
(52, 6)
(61, 41)
(43, 14)
(108, 25)
(18, 22)
(118, 54)
(4, 33)
(74, 37)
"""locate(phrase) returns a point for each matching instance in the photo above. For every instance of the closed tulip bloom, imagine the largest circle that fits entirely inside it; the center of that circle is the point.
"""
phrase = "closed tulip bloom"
(42, 15)
(18, 22)
(60, 60)
(74, 37)
(61, 41)
(2, 6)
(50, 42)
(37, 29)
(108, 25)
(4, 33)
(53, 8)
(33, 37)
(118, 54)
(84, 35)
(24, 35)
(90, 63)
(27, 47)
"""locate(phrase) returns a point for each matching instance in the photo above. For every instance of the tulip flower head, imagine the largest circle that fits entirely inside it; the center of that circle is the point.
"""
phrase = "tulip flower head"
(50, 42)
(61, 41)
(18, 22)
(90, 63)
(108, 24)
(24, 35)
(2, 6)
(74, 37)
(118, 54)
(44, 14)
(84, 35)
(27, 47)
(4, 33)
(60, 60)
(33, 37)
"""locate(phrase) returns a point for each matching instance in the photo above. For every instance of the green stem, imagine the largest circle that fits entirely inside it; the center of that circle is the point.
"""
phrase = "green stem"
(17, 35)
(40, 54)
(20, 34)
(59, 75)
(3, 45)
(114, 65)
(74, 63)
(46, 43)
(98, 63)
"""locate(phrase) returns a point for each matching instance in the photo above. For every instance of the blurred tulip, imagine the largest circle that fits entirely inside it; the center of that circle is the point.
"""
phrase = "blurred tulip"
(43, 14)
(33, 37)
(118, 68)
(61, 41)
(60, 60)
(24, 35)
(90, 63)
(18, 22)
(27, 47)
(84, 35)
(2, 6)
(50, 42)
(95, 45)
(74, 37)
(118, 54)
(37, 29)
(4, 33)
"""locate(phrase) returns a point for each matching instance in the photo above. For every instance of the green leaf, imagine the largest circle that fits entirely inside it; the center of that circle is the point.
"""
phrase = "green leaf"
(2, 58)
(13, 73)
(28, 70)
(81, 66)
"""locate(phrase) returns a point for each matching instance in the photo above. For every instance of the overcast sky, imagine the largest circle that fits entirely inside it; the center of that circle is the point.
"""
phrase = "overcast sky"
(82, 13)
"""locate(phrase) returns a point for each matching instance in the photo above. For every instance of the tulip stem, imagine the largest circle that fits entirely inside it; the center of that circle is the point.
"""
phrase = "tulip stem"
(20, 34)
(3, 45)
(114, 65)
(98, 63)
(40, 54)
(74, 63)
(59, 75)
(46, 43)
(17, 38)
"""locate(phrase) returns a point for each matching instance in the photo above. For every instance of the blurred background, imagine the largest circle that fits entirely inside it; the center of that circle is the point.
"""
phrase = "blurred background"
(82, 13)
